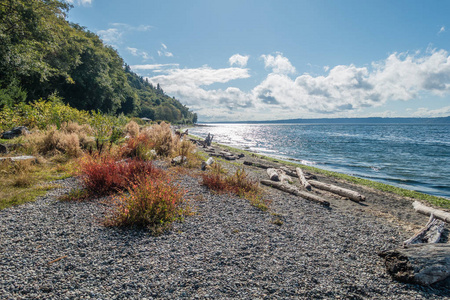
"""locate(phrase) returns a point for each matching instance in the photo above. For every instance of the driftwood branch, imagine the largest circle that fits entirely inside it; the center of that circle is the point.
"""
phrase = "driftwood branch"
(302, 179)
(431, 233)
(423, 264)
(438, 214)
(295, 191)
(352, 195)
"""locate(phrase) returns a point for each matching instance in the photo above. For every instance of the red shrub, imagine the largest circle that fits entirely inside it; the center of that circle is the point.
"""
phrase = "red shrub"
(148, 202)
(104, 175)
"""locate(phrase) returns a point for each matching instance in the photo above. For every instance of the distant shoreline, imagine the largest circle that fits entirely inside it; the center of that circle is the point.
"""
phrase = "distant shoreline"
(376, 120)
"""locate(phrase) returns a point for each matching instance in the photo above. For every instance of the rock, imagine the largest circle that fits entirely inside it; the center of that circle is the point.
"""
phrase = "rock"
(179, 160)
(15, 132)
(3, 149)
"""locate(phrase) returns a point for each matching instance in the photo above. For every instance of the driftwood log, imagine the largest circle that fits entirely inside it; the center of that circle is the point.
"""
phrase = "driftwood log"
(422, 264)
(431, 233)
(209, 162)
(352, 195)
(278, 175)
(273, 174)
(438, 214)
(302, 179)
(295, 191)
(286, 169)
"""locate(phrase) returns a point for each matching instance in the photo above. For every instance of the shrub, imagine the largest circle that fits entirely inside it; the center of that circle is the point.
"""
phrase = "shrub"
(53, 142)
(132, 129)
(239, 184)
(164, 141)
(138, 147)
(147, 202)
(104, 175)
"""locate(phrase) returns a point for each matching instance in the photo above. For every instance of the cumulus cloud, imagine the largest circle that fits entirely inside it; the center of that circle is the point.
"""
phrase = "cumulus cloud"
(163, 51)
(278, 64)
(442, 29)
(80, 2)
(345, 90)
(239, 60)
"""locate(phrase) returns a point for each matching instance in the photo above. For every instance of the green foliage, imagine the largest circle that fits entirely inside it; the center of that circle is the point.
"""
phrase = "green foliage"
(42, 53)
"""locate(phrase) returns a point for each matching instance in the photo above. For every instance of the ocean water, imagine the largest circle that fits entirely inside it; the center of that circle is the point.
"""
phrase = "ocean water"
(415, 157)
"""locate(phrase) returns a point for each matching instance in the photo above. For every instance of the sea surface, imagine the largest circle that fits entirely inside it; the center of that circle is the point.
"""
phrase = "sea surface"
(410, 156)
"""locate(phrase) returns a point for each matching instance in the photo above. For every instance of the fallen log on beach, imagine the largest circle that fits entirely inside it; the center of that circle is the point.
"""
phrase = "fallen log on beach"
(422, 264)
(295, 191)
(352, 195)
(431, 233)
(438, 214)
(286, 169)
(302, 179)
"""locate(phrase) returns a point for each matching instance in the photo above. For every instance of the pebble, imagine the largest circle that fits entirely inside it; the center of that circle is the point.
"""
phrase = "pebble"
(227, 250)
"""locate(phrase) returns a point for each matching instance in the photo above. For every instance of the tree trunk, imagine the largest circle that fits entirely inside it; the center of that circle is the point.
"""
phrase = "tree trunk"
(302, 179)
(423, 264)
(352, 195)
(295, 191)
(438, 214)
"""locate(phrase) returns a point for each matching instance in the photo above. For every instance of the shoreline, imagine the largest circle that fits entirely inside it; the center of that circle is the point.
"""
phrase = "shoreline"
(441, 202)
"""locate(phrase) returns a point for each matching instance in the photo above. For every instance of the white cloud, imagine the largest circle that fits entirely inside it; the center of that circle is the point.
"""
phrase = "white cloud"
(326, 68)
(136, 52)
(433, 113)
(239, 60)
(279, 64)
(346, 90)
(153, 66)
(80, 2)
(111, 36)
(114, 36)
(442, 29)
(163, 52)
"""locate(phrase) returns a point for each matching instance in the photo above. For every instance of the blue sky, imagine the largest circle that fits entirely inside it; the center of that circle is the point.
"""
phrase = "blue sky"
(264, 60)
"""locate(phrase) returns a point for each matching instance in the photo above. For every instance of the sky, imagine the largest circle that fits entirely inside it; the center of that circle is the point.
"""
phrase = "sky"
(237, 60)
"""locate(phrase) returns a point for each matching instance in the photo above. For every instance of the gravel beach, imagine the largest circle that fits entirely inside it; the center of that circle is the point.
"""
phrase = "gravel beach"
(227, 249)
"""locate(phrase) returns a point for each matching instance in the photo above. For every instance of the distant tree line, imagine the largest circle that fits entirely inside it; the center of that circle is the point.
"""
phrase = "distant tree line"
(43, 55)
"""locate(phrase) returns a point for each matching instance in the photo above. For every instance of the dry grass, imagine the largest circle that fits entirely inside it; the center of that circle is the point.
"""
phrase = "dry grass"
(132, 129)
(53, 142)
(165, 143)
(22, 181)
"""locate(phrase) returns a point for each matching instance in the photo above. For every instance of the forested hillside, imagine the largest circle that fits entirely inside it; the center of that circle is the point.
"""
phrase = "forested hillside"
(42, 54)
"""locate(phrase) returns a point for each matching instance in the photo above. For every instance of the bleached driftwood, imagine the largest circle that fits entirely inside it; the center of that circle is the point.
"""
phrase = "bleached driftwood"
(278, 175)
(422, 264)
(431, 233)
(295, 191)
(302, 179)
(273, 174)
(438, 214)
(209, 162)
(352, 195)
